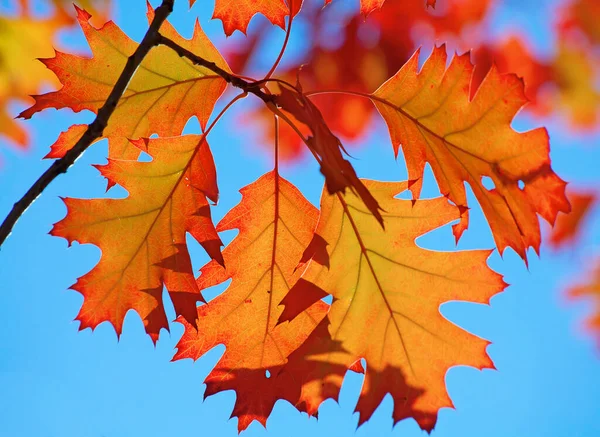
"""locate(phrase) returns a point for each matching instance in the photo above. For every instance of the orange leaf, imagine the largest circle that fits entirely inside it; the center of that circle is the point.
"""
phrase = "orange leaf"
(275, 224)
(66, 140)
(568, 226)
(581, 16)
(387, 292)
(575, 72)
(142, 237)
(164, 93)
(513, 56)
(430, 114)
(451, 19)
(327, 148)
(236, 15)
(316, 379)
(366, 6)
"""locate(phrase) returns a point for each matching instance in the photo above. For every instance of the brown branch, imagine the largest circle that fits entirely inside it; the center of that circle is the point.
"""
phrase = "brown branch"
(236, 81)
(96, 128)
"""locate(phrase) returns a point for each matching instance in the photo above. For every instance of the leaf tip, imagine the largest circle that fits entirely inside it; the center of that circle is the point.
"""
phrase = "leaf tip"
(82, 14)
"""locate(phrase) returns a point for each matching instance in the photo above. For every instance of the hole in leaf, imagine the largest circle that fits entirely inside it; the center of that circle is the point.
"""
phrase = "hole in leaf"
(144, 157)
(267, 374)
(521, 184)
(488, 183)
(405, 195)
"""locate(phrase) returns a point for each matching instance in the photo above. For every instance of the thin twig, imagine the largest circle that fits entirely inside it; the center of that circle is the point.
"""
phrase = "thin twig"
(288, 32)
(96, 128)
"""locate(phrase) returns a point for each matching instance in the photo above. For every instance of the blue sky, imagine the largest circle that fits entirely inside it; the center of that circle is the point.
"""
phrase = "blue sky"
(58, 382)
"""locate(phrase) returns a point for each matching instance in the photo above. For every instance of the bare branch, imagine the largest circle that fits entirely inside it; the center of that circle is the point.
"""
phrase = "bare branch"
(96, 128)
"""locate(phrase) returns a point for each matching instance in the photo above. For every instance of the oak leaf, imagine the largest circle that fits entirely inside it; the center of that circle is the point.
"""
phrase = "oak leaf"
(431, 116)
(386, 297)
(275, 224)
(236, 15)
(165, 92)
(142, 237)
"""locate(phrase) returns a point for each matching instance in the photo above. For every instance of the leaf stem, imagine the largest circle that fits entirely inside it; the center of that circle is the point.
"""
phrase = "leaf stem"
(422, 126)
(349, 93)
(281, 81)
(276, 218)
(276, 167)
(96, 128)
(283, 47)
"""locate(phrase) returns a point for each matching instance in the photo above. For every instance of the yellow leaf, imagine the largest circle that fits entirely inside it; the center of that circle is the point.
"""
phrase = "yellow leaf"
(164, 93)
(431, 116)
(386, 297)
(142, 237)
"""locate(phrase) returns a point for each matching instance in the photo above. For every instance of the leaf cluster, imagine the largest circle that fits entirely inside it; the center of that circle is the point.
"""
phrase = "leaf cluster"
(282, 340)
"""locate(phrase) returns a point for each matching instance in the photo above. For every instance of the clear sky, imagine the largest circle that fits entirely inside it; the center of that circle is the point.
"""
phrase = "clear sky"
(58, 382)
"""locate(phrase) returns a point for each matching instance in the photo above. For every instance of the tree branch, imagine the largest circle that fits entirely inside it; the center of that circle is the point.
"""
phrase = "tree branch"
(96, 128)
(236, 81)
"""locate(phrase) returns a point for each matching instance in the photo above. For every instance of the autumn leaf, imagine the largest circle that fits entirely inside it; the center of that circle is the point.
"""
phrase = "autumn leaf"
(327, 148)
(164, 93)
(387, 292)
(237, 15)
(142, 237)
(581, 16)
(366, 6)
(575, 73)
(568, 226)
(431, 116)
(275, 224)
(565, 84)
(316, 380)
(66, 140)
(450, 20)
(513, 55)
(22, 39)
